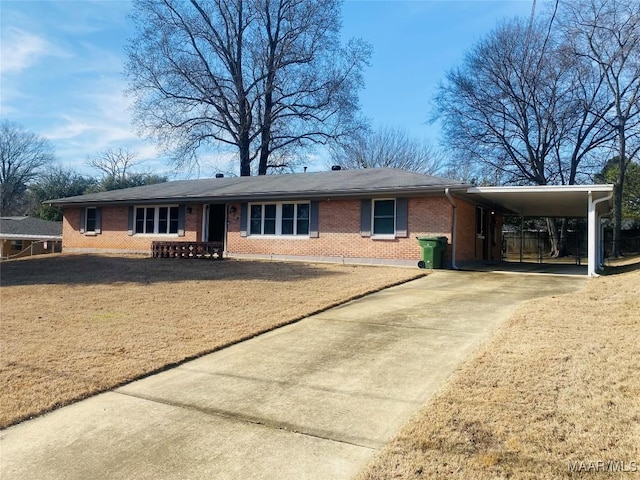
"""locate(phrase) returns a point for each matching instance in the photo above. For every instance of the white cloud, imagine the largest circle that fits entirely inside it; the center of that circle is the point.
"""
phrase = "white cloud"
(100, 120)
(20, 50)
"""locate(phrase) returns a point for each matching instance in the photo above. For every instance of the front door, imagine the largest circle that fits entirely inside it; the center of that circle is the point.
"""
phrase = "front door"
(216, 223)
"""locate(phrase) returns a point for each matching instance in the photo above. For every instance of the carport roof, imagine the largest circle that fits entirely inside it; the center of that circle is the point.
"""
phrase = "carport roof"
(544, 201)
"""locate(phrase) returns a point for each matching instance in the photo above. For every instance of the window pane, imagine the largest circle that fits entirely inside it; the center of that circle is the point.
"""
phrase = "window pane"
(174, 213)
(139, 220)
(269, 219)
(303, 211)
(384, 217)
(255, 227)
(149, 220)
(256, 220)
(383, 226)
(270, 211)
(302, 221)
(287, 210)
(91, 220)
(302, 226)
(269, 227)
(256, 212)
(163, 219)
(287, 226)
(384, 208)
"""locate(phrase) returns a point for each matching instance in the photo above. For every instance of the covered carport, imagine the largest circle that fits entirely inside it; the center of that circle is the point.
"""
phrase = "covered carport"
(578, 201)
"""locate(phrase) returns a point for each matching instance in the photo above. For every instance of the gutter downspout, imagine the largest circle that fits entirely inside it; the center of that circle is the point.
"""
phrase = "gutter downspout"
(453, 229)
(593, 235)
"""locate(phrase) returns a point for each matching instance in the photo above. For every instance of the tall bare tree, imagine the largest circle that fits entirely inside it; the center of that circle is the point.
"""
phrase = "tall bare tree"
(256, 75)
(23, 154)
(513, 106)
(607, 34)
(523, 108)
(387, 147)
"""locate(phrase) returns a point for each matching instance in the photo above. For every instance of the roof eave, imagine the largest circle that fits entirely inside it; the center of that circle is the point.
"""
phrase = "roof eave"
(16, 236)
(307, 194)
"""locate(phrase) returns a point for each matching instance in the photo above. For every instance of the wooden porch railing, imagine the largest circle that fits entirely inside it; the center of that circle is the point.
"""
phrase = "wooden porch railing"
(208, 250)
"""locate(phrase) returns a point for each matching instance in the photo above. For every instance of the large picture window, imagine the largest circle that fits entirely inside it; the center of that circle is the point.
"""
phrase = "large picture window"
(157, 220)
(384, 215)
(279, 219)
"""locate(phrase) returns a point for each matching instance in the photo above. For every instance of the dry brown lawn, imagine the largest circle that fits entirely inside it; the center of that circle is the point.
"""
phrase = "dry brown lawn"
(75, 325)
(557, 387)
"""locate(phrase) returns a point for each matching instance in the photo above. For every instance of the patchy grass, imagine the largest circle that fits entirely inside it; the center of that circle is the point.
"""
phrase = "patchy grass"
(557, 387)
(76, 325)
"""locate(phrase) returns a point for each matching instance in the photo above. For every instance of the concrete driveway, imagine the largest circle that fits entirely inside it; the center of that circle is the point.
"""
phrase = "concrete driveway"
(313, 400)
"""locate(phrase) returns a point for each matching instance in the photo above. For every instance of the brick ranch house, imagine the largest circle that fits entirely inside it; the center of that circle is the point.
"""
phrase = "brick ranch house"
(350, 216)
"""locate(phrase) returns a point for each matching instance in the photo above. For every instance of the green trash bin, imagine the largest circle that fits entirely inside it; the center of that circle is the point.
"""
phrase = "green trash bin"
(433, 249)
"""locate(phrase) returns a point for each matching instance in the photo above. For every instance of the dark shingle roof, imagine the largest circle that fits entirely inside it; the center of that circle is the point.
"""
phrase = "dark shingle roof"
(29, 227)
(342, 183)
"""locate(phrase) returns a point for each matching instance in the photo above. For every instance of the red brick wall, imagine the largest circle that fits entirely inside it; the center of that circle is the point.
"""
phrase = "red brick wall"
(465, 231)
(469, 246)
(339, 233)
(114, 234)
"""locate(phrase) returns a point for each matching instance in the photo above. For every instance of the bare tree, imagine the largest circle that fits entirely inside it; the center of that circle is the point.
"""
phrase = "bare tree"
(513, 106)
(387, 147)
(114, 163)
(256, 75)
(117, 168)
(523, 108)
(23, 154)
(607, 34)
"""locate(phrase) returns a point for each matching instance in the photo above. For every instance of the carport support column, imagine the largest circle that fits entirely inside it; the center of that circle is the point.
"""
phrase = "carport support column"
(592, 240)
(594, 233)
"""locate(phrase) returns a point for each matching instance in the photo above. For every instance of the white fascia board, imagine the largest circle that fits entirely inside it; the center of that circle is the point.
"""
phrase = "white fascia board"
(15, 236)
(543, 188)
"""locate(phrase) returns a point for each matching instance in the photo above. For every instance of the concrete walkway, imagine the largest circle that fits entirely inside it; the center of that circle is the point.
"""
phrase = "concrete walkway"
(313, 400)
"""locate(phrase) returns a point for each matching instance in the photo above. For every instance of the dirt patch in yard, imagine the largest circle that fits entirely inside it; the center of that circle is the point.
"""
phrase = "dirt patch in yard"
(554, 394)
(75, 325)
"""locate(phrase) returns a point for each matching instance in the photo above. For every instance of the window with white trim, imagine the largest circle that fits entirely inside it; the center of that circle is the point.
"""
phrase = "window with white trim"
(287, 219)
(157, 220)
(384, 217)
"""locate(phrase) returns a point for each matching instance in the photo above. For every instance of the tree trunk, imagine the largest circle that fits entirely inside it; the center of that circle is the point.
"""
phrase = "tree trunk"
(563, 247)
(265, 135)
(552, 228)
(245, 159)
(617, 195)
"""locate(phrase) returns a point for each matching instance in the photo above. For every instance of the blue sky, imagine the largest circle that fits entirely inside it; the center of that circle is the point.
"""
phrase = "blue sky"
(61, 65)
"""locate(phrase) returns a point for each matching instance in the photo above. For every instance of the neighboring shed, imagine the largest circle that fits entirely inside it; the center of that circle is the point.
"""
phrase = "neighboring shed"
(25, 236)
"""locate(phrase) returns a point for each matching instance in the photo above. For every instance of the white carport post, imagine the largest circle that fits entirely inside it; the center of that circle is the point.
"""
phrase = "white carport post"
(594, 233)
(592, 241)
